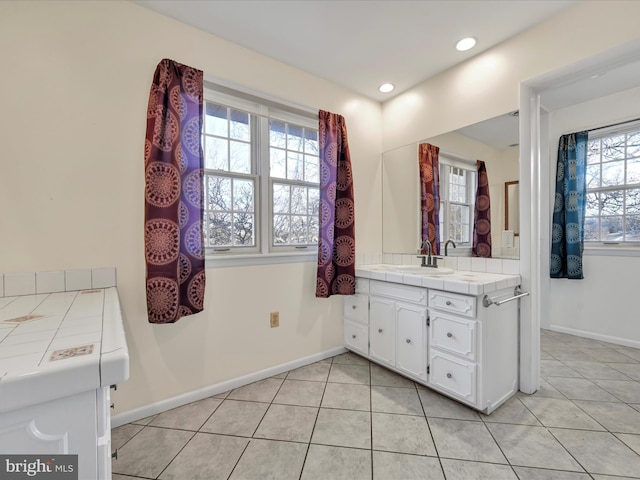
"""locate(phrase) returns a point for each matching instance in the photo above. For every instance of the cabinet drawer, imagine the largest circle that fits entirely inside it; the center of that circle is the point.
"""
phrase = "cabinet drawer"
(399, 292)
(356, 308)
(454, 335)
(356, 336)
(453, 302)
(362, 285)
(453, 376)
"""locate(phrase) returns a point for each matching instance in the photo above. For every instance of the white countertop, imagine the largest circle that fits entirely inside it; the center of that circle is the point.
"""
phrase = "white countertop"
(441, 278)
(53, 345)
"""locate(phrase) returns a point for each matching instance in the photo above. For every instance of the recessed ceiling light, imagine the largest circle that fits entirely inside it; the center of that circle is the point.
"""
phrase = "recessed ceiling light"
(466, 44)
(386, 87)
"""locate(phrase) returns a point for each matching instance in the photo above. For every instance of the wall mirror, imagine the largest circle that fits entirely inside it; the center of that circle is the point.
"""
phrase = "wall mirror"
(512, 206)
(495, 141)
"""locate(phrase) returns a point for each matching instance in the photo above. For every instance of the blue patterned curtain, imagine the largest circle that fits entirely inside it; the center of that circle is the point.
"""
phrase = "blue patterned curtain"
(567, 233)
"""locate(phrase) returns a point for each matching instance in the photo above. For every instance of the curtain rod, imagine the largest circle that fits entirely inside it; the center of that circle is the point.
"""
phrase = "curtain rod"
(612, 125)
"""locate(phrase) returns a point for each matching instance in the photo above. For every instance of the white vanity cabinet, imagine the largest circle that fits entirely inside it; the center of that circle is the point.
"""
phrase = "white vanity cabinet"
(446, 340)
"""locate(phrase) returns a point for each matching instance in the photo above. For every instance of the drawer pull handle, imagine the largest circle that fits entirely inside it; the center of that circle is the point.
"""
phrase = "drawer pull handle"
(379, 330)
(449, 375)
(448, 303)
(353, 307)
(408, 340)
(449, 334)
(353, 336)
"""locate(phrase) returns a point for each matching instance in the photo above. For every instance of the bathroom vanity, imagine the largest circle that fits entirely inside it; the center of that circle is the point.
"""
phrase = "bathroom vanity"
(59, 355)
(432, 326)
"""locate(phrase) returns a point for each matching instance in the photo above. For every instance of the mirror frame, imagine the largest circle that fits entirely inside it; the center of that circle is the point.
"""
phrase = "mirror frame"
(506, 205)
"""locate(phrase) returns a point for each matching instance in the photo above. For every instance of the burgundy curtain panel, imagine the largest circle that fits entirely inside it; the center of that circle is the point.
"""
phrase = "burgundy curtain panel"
(336, 245)
(173, 235)
(482, 215)
(429, 196)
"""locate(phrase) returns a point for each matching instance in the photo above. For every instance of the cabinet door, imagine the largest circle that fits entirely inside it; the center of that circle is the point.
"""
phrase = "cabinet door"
(356, 336)
(411, 348)
(381, 331)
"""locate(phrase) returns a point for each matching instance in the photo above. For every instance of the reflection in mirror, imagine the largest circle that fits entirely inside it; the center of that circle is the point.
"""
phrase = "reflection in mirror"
(494, 141)
(512, 207)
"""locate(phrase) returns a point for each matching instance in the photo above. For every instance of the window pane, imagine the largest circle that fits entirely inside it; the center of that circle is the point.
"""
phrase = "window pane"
(277, 134)
(593, 151)
(243, 229)
(298, 200)
(216, 154)
(612, 230)
(314, 201)
(613, 148)
(633, 171)
(633, 201)
(593, 204)
(239, 125)
(243, 195)
(311, 141)
(593, 176)
(612, 202)
(633, 144)
(240, 157)
(632, 230)
(299, 229)
(294, 138)
(612, 174)
(311, 169)
(314, 229)
(280, 198)
(295, 166)
(216, 120)
(592, 229)
(218, 193)
(220, 229)
(280, 229)
(278, 163)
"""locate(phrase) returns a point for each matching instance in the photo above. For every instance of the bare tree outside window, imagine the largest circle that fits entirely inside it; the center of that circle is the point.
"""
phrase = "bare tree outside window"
(613, 188)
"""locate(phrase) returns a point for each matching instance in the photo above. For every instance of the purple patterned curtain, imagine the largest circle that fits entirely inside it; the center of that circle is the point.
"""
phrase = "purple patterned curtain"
(173, 235)
(429, 196)
(482, 215)
(337, 244)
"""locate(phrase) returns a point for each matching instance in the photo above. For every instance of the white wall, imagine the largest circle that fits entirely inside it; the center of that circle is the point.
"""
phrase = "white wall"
(75, 86)
(603, 304)
(488, 84)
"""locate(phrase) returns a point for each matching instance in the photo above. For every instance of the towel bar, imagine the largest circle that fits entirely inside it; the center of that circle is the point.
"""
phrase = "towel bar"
(517, 293)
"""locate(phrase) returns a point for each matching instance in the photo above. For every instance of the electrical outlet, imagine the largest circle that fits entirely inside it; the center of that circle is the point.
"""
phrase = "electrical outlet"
(274, 319)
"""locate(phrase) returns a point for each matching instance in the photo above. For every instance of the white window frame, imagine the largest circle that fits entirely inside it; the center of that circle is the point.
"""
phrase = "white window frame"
(262, 109)
(604, 246)
(446, 161)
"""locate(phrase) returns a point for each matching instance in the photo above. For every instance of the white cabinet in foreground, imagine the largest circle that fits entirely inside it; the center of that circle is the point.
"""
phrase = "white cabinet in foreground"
(447, 341)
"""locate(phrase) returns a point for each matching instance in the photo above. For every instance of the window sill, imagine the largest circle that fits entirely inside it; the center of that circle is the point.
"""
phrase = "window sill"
(222, 260)
(604, 250)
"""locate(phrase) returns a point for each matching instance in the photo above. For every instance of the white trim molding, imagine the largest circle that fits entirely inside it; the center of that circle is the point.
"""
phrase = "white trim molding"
(195, 395)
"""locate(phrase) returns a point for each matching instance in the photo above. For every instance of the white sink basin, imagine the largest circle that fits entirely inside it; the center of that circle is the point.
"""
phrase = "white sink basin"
(417, 270)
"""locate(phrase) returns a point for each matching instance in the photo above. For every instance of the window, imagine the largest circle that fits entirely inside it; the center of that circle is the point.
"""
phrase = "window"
(457, 196)
(613, 187)
(261, 176)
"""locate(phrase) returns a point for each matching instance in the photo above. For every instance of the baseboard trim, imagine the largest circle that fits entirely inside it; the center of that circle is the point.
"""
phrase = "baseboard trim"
(195, 395)
(625, 342)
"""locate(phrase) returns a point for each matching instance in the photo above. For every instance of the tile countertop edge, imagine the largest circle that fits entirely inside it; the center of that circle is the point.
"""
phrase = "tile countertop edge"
(472, 283)
(71, 376)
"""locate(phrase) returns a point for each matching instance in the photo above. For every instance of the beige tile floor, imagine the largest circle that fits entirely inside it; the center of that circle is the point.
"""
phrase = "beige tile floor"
(347, 418)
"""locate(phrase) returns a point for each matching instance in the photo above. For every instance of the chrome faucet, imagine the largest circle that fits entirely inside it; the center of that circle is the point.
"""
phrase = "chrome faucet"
(446, 246)
(431, 261)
